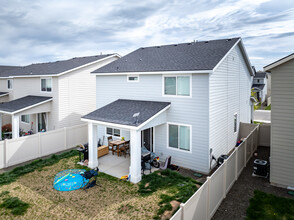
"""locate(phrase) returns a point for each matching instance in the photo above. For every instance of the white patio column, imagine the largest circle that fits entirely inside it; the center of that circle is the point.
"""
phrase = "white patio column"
(15, 126)
(0, 127)
(92, 144)
(135, 151)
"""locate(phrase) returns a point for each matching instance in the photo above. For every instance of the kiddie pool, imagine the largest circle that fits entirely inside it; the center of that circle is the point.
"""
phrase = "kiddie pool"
(68, 180)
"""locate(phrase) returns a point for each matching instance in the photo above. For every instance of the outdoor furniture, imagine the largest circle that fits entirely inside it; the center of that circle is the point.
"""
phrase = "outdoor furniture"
(145, 163)
(125, 149)
(109, 139)
(116, 146)
(102, 150)
(166, 163)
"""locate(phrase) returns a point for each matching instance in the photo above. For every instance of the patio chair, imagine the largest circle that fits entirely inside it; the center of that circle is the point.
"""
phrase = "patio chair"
(125, 149)
(146, 163)
(166, 163)
(110, 146)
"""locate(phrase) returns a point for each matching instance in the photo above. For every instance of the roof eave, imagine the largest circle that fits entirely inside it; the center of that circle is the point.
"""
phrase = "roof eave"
(279, 62)
(154, 72)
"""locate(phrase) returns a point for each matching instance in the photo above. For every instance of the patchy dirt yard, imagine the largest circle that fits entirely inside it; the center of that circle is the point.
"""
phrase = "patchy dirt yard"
(235, 204)
(110, 199)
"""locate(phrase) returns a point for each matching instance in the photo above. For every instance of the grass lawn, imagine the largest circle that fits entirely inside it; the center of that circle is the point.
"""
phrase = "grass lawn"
(268, 107)
(268, 206)
(159, 194)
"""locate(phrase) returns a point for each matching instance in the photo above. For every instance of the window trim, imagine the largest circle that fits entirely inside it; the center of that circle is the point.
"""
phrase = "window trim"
(11, 83)
(235, 114)
(51, 84)
(167, 137)
(176, 96)
(29, 117)
(107, 135)
(133, 81)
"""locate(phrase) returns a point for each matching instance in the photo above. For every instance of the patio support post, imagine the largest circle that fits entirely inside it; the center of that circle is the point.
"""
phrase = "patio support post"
(92, 140)
(15, 126)
(135, 151)
(0, 127)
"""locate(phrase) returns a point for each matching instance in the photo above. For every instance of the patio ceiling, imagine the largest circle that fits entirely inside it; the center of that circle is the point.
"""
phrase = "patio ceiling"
(122, 114)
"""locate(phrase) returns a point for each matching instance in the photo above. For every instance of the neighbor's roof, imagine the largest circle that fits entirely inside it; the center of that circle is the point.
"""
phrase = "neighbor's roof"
(23, 103)
(202, 55)
(3, 94)
(260, 74)
(258, 86)
(52, 68)
(279, 62)
(6, 68)
(122, 111)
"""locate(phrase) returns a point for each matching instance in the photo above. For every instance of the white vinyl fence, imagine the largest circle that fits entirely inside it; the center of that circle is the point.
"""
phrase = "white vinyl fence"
(22, 149)
(206, 200)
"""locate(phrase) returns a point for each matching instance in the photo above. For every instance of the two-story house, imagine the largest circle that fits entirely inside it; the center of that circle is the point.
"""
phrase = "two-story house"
(48, 96)
(182, 100)
(260, 85)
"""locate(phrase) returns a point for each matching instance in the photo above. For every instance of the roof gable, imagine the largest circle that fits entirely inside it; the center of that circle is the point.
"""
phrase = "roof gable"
(279, 62)
(202, 55)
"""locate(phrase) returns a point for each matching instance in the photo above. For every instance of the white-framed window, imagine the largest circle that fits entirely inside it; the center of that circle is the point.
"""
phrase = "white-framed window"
(133, 78)
(25, 119)
(113, 132)
(46, 84)
(235, 122)
(177, 85)
(10, 84)
(179, 136)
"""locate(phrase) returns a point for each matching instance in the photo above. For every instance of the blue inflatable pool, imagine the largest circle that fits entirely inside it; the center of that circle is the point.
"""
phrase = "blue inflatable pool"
(68, 180)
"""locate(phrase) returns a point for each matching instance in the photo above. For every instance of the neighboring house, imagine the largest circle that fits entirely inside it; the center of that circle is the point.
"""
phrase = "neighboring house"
(260, 85)
(48, 96)
(189, 99)
(282, 122)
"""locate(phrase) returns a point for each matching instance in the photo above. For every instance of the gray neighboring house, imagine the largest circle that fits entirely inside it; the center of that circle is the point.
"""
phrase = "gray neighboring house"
(260, 85)
(200, 92)
(67, 86)
(282, 121)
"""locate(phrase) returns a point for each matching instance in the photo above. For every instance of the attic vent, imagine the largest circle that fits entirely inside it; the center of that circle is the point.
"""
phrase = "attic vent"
(142, 48)
(126, 60)
(158, 46)
(229, 39)
(117, 68)
(189, 43)
(175, 45)
(206, 42)
(140, 59)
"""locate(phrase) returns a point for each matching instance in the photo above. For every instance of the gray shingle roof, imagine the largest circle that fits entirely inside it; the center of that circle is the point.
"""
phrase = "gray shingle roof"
(258, 86)
(260, 74)
(3, 93)
(22, 103)
(52, 68)
(6, 68)
(121, 111)
(202, 55)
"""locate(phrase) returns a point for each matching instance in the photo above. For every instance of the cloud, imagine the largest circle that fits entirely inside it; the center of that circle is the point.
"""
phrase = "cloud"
(38, 31)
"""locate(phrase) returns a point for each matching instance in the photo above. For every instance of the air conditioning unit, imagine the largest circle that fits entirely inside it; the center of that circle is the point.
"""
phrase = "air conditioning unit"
(260, 168)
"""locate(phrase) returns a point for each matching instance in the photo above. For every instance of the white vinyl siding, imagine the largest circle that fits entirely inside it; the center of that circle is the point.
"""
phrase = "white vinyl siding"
(282, 125)
(177, 85)
(230, 87)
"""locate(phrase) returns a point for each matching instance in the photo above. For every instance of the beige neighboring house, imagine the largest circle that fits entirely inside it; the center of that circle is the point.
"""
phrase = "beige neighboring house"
(282, 141)
(48, 96)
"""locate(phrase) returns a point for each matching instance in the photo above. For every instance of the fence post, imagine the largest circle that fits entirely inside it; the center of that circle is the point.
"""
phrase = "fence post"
(245, 148)
(208, 179)
(4, 152)
(65, 138)
(182, 205)
(236, 169)
(225, 179)
(39, 144)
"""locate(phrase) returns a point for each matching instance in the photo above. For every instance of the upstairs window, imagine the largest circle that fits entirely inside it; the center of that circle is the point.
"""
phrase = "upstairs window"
(133, 78)
(9, 84)
(113, 132)
(177, 85)
(46, 85)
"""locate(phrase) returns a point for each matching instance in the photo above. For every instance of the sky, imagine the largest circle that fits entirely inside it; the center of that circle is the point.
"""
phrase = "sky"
(42, 31)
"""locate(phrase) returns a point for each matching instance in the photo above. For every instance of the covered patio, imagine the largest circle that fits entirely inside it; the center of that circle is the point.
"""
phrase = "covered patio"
(133, 116)
(28, 105)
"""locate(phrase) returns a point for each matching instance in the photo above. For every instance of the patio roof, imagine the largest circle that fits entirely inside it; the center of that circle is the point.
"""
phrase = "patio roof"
(258, 86)
(121, 112)
(22, 104)
(3, 94)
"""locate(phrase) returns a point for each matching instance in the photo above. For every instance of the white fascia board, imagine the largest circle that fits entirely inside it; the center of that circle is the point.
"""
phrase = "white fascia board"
(65, 72)
(279, 62)
(124, 126)
(156, 72)
(26, 108)
(4, 94)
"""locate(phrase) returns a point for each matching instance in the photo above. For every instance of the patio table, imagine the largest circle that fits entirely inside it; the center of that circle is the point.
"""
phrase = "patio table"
(116, 143)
